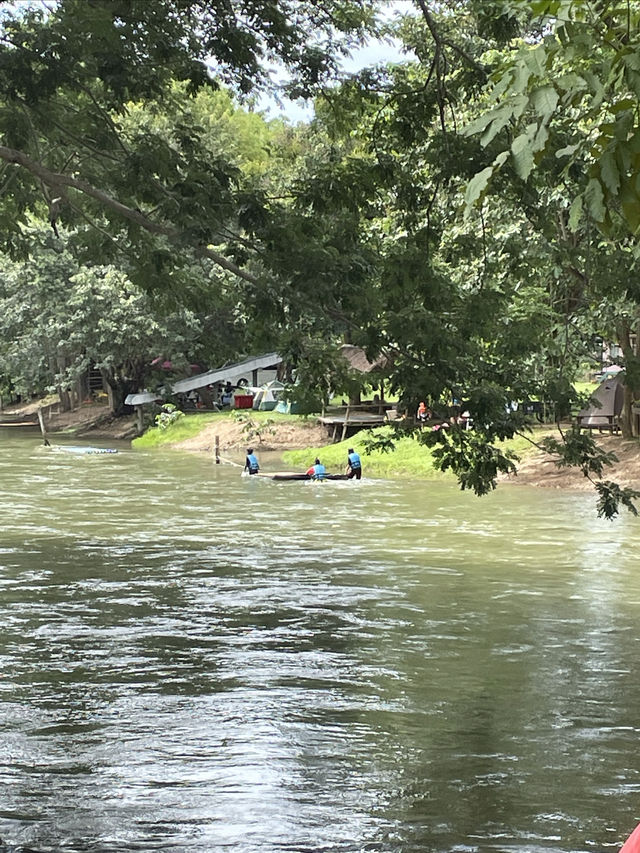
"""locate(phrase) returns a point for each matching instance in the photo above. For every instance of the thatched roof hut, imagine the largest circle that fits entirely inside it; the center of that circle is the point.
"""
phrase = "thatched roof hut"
(358, 360)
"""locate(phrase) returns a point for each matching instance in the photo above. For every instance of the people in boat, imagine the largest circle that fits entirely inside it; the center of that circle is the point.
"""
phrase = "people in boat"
(317, 471)
(354, 465)
(251, 464)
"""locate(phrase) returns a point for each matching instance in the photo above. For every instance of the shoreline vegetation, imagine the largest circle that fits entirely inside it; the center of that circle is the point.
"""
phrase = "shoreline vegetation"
(298, 439)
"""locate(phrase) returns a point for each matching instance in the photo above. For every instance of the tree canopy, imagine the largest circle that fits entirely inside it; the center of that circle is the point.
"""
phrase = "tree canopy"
(470, 214)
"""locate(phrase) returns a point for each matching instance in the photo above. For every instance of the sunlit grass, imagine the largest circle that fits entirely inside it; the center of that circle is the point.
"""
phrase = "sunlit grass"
(409, 459)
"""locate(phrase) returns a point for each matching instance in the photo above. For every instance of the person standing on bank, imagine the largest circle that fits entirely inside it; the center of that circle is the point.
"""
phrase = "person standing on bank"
(251, 465)
(354, 465)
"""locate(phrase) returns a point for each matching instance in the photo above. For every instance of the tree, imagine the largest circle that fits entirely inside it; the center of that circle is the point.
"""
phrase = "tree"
(69, 78)
(58, 319)
(354, 230)
(485, 310)
(569, 94)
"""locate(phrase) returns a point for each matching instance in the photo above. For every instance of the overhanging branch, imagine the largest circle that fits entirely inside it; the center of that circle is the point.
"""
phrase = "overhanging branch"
(61, 181)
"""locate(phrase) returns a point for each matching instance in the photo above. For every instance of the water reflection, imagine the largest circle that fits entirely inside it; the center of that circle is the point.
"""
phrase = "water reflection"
(195, 661)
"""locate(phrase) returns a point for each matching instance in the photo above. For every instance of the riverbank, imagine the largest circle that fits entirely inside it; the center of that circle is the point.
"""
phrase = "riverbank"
(93, 419)
(300, 440)
(538, 469)
(290, 435)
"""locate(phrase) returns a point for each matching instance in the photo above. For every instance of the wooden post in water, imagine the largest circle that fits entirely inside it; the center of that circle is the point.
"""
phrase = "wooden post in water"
(217, 449)
(47, 443)
(139, 420)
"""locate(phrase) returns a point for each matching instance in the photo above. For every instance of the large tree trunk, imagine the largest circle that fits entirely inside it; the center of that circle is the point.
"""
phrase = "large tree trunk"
(631, 379)
(65, 399)
(117, 390)
(57, 366)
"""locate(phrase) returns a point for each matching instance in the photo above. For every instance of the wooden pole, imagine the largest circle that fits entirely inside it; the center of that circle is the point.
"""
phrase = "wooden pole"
(139, 420)
(346, 422)
(47, 443)
(217, 449)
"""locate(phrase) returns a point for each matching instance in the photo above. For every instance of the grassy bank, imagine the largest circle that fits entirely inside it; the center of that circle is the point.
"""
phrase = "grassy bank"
(409, 459)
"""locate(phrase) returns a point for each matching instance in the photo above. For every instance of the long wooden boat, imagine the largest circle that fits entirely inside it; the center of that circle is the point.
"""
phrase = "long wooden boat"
(294, 475)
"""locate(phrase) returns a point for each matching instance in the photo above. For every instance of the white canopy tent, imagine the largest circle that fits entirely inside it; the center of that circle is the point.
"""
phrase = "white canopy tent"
(233, 373)
(267, 396)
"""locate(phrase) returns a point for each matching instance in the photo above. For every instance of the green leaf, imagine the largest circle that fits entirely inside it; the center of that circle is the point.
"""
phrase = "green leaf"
(572, 84)
(522, 155)
(477, 186)
(624, 104)
(632, 61)
(623, 125)
(479, 123)
(568, 150)
(535, 59)
(609, 172)
(575, 213)
(630, 204)
(594, 197)
(521, 76)
(545, 7)
(545, 100)
(540, 138)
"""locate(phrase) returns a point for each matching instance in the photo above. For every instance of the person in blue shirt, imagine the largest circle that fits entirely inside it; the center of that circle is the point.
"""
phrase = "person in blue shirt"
(317, 471)
(354, 465)
(251, 465)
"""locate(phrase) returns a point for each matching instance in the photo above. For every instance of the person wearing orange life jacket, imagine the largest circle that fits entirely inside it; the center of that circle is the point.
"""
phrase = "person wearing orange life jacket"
(423, 413)
(317, 471)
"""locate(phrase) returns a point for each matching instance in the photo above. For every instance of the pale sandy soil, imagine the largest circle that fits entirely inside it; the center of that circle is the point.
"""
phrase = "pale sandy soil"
(539, 470)
(94, 419)
(285, 436)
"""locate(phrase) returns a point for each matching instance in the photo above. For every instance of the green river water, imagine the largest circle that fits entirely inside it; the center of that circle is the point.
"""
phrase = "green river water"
(196, 661)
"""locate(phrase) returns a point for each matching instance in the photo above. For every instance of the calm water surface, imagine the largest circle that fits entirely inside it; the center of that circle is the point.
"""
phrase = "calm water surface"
(195, 661)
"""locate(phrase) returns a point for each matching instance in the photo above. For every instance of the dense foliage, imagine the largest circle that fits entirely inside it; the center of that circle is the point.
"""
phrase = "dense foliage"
(470, 214)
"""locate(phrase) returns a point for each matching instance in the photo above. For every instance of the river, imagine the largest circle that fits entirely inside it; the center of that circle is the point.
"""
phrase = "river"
(196, 661)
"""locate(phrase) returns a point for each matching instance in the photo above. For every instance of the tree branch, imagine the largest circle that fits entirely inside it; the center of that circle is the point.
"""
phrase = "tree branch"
(60, 181)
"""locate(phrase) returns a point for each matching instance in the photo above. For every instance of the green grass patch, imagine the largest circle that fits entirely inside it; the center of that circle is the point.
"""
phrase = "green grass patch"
(586, 387)
(410, 459)
(187, 427)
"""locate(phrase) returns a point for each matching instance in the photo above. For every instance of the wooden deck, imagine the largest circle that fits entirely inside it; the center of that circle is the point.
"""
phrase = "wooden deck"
(345, 421)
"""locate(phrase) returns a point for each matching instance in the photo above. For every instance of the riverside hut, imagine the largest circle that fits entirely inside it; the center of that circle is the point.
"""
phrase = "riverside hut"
(604, 413)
